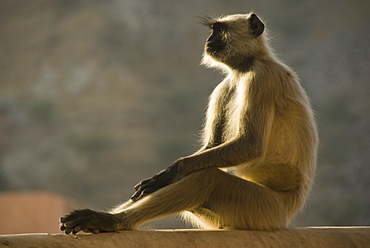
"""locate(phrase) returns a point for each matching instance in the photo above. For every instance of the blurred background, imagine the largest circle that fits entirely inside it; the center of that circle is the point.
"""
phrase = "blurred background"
(96, 95)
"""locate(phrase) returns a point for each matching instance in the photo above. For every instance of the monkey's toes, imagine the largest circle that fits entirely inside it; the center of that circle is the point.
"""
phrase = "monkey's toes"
(87, 220)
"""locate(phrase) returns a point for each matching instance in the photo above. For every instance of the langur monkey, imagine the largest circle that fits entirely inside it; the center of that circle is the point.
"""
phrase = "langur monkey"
(259, 123)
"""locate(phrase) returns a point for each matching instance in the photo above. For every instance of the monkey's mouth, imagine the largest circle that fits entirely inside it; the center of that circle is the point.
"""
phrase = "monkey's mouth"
(213, 48)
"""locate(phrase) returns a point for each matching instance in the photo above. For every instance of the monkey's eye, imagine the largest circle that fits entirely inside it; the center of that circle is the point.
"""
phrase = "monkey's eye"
(220, 30)
(219, 27)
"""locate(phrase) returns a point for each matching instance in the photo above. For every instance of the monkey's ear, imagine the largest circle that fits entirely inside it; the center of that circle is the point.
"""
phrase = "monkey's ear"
(255, 25)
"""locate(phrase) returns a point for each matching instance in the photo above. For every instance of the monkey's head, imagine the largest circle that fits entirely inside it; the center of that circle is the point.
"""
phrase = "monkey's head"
(234, 41)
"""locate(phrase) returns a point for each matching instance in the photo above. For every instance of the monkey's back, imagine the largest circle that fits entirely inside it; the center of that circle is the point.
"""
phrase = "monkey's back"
(289, 159)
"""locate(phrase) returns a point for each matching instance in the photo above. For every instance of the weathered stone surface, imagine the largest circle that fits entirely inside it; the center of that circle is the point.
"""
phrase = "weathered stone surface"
(335, 237)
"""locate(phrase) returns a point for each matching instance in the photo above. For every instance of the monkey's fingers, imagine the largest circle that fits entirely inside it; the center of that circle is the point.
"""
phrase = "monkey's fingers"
(137, 196)
(161, 179)
(142, 183)
(141, 193)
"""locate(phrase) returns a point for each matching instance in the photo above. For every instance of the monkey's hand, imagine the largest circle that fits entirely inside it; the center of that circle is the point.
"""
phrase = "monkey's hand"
(88, 221)
(158, 181)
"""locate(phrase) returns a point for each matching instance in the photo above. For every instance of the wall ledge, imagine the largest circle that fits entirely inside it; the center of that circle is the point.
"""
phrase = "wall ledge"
(336, 237)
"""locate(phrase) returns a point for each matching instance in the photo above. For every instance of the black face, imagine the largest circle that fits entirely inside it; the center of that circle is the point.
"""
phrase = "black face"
(216, 43)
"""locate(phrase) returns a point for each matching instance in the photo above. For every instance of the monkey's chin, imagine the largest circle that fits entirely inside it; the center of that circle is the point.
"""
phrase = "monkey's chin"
(211, 60)
(214, 54)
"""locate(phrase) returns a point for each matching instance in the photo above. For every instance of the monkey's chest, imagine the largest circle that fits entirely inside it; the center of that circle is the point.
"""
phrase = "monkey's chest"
(232, 114)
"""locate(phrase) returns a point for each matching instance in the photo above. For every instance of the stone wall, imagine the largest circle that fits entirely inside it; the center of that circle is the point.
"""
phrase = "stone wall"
(317, 237)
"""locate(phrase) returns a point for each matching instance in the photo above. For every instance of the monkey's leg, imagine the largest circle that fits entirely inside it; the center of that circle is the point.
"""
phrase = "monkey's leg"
(229, 201)
(122, 207)
(201, 217)
(185, 194)
(236, 204)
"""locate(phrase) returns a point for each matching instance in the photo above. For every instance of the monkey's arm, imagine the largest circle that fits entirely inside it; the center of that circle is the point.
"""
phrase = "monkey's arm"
(246, 147)
(225, 155)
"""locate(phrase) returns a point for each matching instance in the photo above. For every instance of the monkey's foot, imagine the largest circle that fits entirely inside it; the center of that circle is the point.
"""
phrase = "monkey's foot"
(88, 221)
